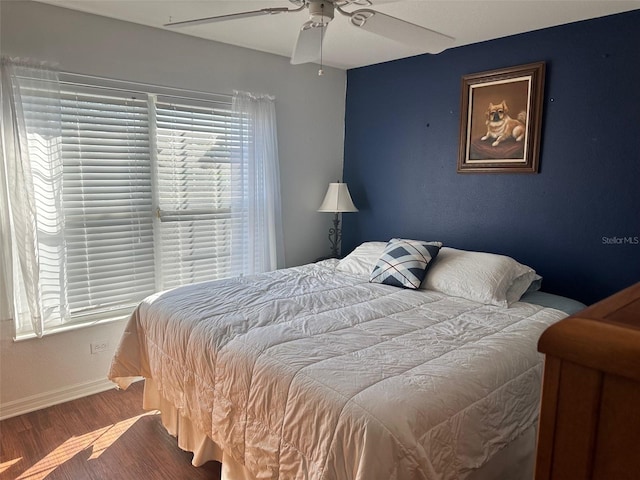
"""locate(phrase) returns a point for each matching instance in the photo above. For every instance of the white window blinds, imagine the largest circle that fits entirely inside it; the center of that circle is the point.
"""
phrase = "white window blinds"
(107, 200)
(196, 170)
(135, 192)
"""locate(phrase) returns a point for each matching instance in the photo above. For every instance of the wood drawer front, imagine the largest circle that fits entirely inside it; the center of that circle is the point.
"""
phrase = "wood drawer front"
(595, 431)
(618, 442)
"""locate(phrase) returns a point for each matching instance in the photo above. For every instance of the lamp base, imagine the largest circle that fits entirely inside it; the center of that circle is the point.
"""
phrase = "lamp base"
(335, 235)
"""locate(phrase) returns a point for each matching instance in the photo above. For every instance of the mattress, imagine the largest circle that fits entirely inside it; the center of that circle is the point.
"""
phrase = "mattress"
(310, 373)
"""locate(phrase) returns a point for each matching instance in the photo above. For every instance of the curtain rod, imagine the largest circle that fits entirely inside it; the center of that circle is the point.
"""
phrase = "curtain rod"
(125, 85)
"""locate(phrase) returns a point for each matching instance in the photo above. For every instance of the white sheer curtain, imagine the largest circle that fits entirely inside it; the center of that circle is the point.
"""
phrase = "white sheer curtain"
(6, 261)
(32, 252)
(257, 175)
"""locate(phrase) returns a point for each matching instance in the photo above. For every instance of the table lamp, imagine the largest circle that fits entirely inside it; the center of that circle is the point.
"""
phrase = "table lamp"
(337, 200)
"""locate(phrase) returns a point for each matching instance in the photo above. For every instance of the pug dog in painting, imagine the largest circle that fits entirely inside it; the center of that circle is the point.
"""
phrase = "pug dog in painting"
(501, 126)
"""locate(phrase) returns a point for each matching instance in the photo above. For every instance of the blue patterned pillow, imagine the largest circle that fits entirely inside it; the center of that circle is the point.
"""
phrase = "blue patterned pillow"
(404, 263)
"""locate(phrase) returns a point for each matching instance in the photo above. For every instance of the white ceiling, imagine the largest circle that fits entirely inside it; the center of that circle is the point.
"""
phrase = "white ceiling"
(467, 21)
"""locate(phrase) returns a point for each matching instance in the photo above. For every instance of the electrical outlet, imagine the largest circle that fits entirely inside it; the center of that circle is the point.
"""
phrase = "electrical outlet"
(97, 347)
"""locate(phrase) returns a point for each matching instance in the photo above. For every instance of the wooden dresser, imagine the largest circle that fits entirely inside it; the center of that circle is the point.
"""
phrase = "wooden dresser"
(590, 413)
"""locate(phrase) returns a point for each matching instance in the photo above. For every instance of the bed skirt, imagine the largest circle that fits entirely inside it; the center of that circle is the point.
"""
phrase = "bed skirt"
(190, 439)
(516, 461)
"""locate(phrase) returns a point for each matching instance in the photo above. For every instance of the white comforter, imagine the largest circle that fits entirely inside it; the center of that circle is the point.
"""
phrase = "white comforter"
(307, 373)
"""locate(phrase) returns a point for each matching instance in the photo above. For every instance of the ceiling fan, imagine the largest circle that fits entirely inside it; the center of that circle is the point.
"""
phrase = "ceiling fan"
(308, 47)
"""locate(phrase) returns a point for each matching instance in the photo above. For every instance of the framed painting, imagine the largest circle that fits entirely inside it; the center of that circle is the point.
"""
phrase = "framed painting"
(500, 120)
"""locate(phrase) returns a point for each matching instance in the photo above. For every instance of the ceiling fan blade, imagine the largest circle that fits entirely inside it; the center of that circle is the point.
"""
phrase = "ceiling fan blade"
(307, 48)
(400, 30)
(230, 16)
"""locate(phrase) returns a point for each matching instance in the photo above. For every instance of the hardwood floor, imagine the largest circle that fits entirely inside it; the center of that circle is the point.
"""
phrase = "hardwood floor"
(104, 436)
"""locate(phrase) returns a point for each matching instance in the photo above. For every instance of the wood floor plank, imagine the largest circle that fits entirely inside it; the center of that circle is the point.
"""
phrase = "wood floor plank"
(103, 436)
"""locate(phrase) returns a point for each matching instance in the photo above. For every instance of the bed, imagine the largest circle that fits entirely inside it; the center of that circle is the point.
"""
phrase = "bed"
(316, 372)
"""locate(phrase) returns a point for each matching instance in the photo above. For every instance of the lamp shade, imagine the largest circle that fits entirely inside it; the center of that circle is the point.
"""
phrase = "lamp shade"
(337, 199)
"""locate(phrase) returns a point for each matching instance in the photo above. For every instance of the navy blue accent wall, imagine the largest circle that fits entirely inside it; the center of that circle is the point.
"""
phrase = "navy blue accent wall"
(567, 221)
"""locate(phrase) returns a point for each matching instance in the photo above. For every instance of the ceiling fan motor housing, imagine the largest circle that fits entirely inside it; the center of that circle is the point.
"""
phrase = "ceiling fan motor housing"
(320, 11)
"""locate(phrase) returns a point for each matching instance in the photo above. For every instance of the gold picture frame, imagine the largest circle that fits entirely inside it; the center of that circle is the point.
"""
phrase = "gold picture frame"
(501, 119)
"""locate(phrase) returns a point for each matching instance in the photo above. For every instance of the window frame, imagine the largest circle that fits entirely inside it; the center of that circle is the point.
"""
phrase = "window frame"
(190, 98)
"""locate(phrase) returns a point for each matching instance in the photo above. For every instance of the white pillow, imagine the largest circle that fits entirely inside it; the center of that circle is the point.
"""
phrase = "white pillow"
(363, 258)
(521, 285)
(478, 276)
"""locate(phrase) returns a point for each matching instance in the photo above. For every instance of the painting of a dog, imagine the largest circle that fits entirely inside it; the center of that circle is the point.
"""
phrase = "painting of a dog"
(501, 120)
(500, 126)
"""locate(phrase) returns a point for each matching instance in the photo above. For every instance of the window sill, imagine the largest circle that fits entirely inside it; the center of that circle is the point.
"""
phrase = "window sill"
(19, 337)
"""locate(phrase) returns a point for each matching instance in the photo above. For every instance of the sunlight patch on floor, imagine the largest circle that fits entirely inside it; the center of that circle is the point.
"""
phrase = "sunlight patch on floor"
(95, 442)
(7, 465)
(110, 436)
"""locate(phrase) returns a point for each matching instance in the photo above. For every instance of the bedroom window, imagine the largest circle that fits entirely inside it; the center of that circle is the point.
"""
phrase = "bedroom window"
(107, 201)
(196, 169)
(135, 192)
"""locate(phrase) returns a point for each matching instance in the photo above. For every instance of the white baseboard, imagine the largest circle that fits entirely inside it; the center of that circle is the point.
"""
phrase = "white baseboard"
(53, 397)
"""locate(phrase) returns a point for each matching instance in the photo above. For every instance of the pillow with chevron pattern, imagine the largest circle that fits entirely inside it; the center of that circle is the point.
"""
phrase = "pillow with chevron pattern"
(404, 263)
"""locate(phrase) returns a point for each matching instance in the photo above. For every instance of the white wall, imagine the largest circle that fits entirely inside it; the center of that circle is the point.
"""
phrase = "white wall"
(310, 115)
